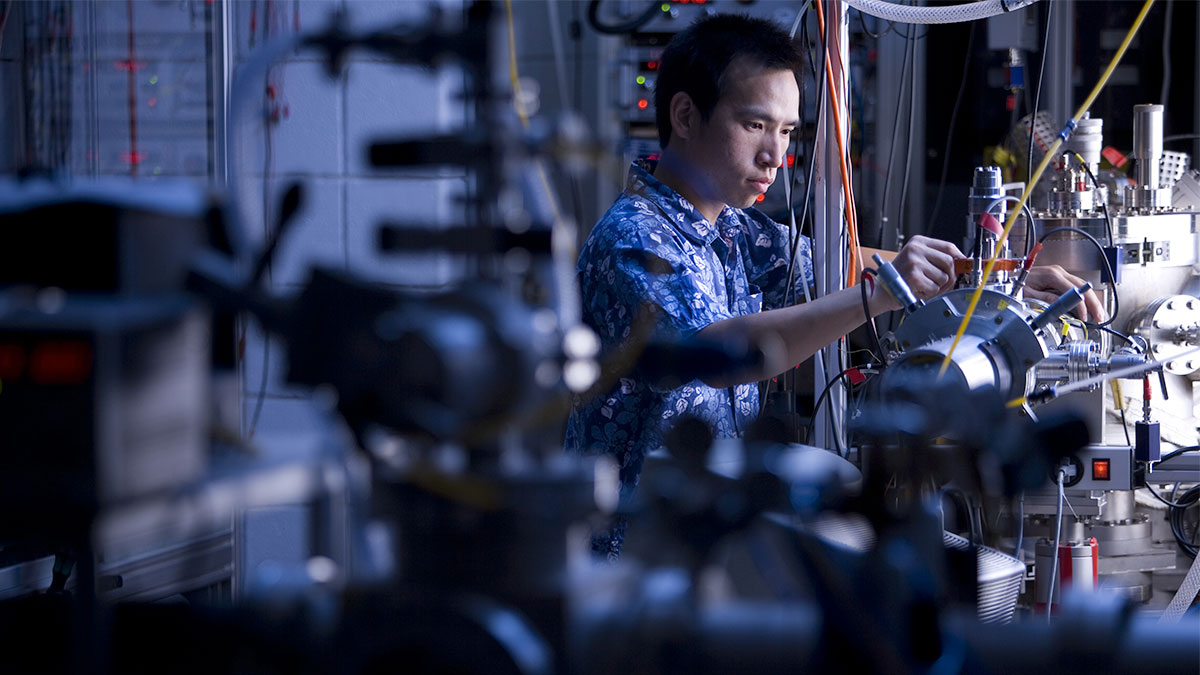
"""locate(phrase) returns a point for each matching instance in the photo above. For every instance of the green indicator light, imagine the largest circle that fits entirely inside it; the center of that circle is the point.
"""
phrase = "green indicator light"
(158, 171)
(666, 7)
(153, 79)
(641, 79)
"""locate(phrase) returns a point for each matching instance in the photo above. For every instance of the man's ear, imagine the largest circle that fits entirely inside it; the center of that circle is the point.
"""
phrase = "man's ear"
(684, 115)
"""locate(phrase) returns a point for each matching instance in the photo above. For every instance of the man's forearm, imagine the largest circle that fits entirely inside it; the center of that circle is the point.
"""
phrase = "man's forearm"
(790, 335)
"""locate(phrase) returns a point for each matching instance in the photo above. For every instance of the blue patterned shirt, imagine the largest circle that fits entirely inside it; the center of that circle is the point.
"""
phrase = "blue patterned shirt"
(653, 252)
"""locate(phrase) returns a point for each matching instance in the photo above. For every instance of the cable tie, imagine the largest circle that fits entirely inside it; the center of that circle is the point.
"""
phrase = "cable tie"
(1068, 130)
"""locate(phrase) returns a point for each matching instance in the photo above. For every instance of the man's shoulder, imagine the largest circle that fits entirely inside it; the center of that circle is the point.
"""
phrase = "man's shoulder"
(632, 218)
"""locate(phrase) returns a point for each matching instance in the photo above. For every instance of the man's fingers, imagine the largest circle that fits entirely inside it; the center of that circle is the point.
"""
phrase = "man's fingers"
(1095, 308)
(944, 247)
(1091, 309)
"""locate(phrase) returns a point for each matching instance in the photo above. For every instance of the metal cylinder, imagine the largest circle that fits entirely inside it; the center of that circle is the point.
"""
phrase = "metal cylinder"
(1078, 569)
(986, 186)
(1118, 506)
(1147, 140)
(1147, 150)
(1088, 140)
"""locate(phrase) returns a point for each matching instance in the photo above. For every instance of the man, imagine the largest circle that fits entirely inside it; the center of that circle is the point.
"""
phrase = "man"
(682, 245)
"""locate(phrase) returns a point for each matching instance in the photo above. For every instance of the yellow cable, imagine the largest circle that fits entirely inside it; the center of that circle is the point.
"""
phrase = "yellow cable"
(1046, 159)
(519, 105)
(512, 65)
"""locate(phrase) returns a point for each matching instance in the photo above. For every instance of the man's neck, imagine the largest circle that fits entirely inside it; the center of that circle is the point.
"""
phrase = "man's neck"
(677, 173)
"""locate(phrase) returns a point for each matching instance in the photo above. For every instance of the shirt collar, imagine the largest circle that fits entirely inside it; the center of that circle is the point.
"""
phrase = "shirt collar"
(678, 210)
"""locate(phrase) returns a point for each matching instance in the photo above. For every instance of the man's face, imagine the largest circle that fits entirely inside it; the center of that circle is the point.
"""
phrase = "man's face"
(737, 152)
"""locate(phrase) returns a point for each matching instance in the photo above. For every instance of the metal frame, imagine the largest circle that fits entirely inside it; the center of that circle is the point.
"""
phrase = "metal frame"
(220, 75)
(1057, 90)
(830, 244)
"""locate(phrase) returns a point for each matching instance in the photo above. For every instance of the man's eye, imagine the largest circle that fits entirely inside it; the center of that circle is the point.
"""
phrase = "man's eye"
(788, 132)
(754, 126)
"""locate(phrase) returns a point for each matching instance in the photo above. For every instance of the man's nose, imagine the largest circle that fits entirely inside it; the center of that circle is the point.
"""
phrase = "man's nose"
(772, 153)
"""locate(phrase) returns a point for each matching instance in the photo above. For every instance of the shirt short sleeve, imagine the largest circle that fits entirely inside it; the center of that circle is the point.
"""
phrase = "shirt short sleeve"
(672, 279)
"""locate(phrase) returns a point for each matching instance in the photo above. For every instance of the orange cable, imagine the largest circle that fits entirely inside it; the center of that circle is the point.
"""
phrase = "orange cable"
(851, 225)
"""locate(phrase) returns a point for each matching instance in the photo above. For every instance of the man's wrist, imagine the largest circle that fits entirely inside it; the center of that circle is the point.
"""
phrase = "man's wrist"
(879, 300)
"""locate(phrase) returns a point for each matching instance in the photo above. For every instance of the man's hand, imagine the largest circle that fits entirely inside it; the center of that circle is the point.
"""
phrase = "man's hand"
(928, 267)
(1047, 282)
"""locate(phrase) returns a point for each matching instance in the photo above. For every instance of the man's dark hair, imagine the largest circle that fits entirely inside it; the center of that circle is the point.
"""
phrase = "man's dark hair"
(695, 60)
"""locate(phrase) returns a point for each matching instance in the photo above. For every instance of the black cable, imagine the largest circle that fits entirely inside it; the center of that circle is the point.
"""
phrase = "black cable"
(812, 422)
(789, 191)
(1103, 202)
(1037, 93)
(808, 182)
(1181, 451)
(1107, 266)
(1110, 331)
(908, 146)
(917, 36)
(593, 17)
(862, 20)
(887, 175)
(1175, 512)
(1186, 544)
(962, 86)
(1125, 425)
(1180, 137)
(1164, 500)
(1030, 231)
(874, 332)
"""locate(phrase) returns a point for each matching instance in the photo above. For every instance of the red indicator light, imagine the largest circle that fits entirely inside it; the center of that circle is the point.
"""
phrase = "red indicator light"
(642, 104)
(152, 101)
(791, 161)
(1100, 469)
(760, 198)
(652, 65)
(61, 363)
(132, 157)
(12, 361)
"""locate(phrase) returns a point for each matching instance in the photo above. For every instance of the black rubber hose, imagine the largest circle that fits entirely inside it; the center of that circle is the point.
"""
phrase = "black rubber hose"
(593, 17)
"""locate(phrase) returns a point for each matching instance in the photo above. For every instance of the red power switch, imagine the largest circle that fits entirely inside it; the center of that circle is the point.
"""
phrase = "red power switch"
(1100, 469)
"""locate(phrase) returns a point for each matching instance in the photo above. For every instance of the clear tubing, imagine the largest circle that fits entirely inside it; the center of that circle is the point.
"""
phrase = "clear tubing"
(972, 11)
